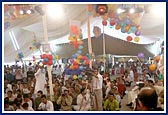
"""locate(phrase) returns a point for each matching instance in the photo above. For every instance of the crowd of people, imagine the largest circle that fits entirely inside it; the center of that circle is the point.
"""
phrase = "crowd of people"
(95, 90)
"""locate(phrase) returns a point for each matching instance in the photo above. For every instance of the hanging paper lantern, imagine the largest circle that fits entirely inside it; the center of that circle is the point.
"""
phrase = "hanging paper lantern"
(152, 67)
(117, 27)
(101, 9)
(136, 39)
(129, 38)
(140, 55)
(104, 22)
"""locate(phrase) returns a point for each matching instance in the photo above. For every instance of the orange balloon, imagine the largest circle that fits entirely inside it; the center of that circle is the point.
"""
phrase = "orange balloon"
(157, 58)
(79, 57)
(126, 28)
(117, 27)
(152, 67)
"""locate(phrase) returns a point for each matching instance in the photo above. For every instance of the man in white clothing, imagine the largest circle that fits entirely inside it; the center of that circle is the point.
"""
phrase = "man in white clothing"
(83, 101)
(45, 104)
(40, 80)
(97, 82)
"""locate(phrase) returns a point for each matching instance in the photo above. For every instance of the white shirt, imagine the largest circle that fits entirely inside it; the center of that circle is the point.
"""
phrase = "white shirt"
(29, 103)
(97, 82)
(49, 106)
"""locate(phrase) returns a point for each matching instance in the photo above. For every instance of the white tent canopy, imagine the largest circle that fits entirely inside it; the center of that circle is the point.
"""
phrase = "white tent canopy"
(28, 28)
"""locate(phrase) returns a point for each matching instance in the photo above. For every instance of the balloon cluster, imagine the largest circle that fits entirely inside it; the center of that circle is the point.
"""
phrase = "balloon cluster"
(75, 39)
(20, 55)
(35, 45)
(47, 59)
(126, 22)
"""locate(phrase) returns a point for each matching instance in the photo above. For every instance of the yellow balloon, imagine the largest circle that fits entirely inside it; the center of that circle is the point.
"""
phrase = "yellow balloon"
(136, 39)
(75, 77)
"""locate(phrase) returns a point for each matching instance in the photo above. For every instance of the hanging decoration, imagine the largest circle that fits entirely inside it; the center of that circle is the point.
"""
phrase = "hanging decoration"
(47, 59)
(152, 67)
(140, 55)
(124, 17)
(75, 38)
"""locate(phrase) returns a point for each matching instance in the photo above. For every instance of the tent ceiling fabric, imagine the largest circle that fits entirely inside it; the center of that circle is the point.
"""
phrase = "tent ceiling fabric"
(152, 29)
(113, 45)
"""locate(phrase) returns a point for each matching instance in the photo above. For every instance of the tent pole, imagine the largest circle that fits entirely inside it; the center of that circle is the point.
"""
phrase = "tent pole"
(46, 42)
(104, 51)
(89, 42)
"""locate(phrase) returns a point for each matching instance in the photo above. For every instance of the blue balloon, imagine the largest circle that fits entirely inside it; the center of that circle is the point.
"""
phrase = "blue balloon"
(74, 56)
(79, 51)
(45, 59)
(79, 76)
(80, 67)
(80, 47)
(122, 30)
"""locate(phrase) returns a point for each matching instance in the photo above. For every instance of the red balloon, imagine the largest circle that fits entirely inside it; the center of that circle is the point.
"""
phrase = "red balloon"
(71, 42)
(104, 22)
(44, 63)
(129, 38)
(49, 57)
(50, 62)
(112, 22)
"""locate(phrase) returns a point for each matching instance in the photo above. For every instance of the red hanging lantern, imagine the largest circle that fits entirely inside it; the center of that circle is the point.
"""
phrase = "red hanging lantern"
(101, 9)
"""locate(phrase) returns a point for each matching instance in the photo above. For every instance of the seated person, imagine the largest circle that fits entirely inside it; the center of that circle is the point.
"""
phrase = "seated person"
(83, 101)
(111, 103)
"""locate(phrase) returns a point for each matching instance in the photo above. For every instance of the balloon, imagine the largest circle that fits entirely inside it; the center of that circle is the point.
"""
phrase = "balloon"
(112, 22)
(79, 76)
(75, 77)
(152, 67)
(50, 62)
(54, 61)
(140, 55)
(74, 56)
(45, 59)
(80, 67)
(79, 57)
(157, 58)
(137, 33)
(160, 77)
(20, 55)
(49, 57)
(76, 66)
(133, 28)
(70, 43)
(71, 60)
(129, 38)
(104, 22)
(80, 47)
(116, 20)
(117, 27)
(71, 67)
(136, 39)
(126, 28)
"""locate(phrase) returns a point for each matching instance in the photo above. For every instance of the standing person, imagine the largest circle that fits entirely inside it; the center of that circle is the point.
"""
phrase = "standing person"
(40, 80)
(30, 74)
(97, 82)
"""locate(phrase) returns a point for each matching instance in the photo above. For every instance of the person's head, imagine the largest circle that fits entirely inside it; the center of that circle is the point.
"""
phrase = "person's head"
(19, 97)
(83, 91)
(25, 106)
(66, 91)
(96, 71)
(26, 97)
(44, 99)
(39, 93)
(146, 99)
(14, 87)
(111, 96)
(9, 93)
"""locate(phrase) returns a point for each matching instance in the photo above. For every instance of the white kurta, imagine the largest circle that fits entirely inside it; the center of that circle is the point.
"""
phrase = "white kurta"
(40, 82)
(48, 106)
(82, 104)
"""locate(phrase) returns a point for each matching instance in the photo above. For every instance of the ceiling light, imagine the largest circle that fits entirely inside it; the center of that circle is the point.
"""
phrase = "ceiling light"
(22, 12)
(119, 10)
(132, 10)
